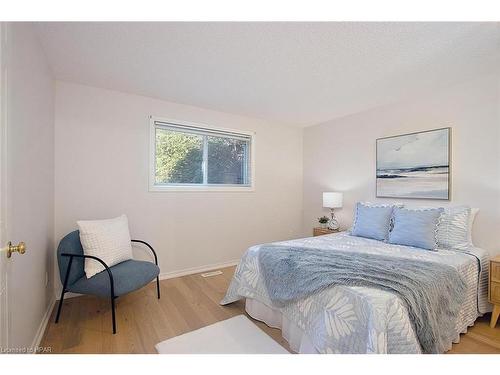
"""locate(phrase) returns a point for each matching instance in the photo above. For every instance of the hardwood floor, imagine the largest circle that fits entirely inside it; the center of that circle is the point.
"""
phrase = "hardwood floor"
(187, 303)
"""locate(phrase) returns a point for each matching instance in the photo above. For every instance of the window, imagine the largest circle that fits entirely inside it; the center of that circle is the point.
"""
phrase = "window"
(187, 156)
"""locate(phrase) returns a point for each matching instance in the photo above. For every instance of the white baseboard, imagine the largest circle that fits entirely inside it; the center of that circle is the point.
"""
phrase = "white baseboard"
(172, 274)
(194, 270)
(43, 325)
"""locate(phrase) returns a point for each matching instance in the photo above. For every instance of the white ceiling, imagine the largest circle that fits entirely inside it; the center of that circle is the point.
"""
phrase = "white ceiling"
(297, 73)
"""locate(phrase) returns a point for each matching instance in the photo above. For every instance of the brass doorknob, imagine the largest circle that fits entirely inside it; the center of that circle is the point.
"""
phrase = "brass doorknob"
(20, 248)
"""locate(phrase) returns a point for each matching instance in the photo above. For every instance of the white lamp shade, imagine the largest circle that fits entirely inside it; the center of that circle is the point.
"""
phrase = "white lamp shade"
(332, 199)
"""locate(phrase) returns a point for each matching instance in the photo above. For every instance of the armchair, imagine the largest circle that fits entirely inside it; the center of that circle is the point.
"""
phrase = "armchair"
(113, 282)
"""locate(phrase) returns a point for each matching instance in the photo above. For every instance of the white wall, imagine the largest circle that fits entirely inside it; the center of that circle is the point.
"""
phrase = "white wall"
(30, 175)
(102, 171)
(339, 155)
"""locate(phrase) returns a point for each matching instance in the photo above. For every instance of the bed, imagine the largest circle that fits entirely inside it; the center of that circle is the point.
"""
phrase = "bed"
(357, 319)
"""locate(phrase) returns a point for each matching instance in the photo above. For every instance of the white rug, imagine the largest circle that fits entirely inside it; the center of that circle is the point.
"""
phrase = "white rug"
(237, 335)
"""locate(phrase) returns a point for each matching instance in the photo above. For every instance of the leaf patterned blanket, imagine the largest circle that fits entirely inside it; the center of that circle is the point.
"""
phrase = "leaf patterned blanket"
(432, 292)
(361, 319)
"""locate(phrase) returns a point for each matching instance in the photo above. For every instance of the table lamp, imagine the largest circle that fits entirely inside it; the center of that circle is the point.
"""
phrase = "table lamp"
(332, 200)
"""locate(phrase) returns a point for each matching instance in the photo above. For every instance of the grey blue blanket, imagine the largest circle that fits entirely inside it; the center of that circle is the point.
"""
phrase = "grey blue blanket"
(433, 292)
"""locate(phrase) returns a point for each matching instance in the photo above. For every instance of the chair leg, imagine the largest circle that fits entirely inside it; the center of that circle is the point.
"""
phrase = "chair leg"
(158, 286)
(65, 285)
(60, 306)
(113, 313)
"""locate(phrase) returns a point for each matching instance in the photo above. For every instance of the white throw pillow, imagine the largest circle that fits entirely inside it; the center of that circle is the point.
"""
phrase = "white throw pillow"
(455, 227)
(108, 240)
(473, 214)
(452, 232)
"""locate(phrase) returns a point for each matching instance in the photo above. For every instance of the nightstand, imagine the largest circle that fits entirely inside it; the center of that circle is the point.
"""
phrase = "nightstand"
(494, 289)
(321, 231)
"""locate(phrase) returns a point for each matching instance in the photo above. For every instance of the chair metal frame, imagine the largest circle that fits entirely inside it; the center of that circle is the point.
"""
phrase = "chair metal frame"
(111, 280)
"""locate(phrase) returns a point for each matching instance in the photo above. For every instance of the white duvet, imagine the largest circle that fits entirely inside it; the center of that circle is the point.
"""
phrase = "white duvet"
(344, 319)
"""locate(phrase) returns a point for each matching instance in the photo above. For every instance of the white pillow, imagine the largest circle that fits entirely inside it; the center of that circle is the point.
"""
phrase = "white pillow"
(473, 213)
(108, 240)
(455, 227)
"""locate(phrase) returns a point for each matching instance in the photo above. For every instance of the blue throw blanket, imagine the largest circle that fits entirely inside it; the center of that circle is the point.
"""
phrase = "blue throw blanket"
(432, 292)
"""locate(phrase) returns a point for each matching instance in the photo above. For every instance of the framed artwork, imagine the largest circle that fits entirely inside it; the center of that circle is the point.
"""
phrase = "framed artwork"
(415, 165)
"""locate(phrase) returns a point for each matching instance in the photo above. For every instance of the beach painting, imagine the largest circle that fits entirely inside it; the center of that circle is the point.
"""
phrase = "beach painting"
(414, 165)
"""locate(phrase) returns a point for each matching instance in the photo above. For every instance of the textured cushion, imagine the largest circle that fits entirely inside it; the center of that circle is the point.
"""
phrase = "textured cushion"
(372, 221)
(473, 213)
(127, 276)
(415, 227)
(454, 228)
(108, 240)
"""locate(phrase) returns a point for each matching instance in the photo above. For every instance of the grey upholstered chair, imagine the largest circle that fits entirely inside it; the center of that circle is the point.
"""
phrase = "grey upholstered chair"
(113, 282)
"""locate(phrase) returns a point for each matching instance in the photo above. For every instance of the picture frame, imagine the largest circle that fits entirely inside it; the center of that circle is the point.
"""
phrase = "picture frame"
(414, 165)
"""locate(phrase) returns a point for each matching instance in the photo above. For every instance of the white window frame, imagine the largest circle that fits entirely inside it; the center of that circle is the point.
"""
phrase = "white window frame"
(153, 187)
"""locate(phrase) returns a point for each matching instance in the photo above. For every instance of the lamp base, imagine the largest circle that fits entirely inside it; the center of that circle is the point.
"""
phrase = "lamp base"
(333, 224)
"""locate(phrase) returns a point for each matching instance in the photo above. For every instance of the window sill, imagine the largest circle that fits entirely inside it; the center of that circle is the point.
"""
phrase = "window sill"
(204, 188)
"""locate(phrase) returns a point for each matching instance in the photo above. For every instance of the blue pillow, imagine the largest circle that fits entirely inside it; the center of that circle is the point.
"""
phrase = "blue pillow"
(372, 221)
(415, 228)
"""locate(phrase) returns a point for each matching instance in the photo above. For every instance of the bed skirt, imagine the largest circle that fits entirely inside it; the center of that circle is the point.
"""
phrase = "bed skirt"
(297, 339)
